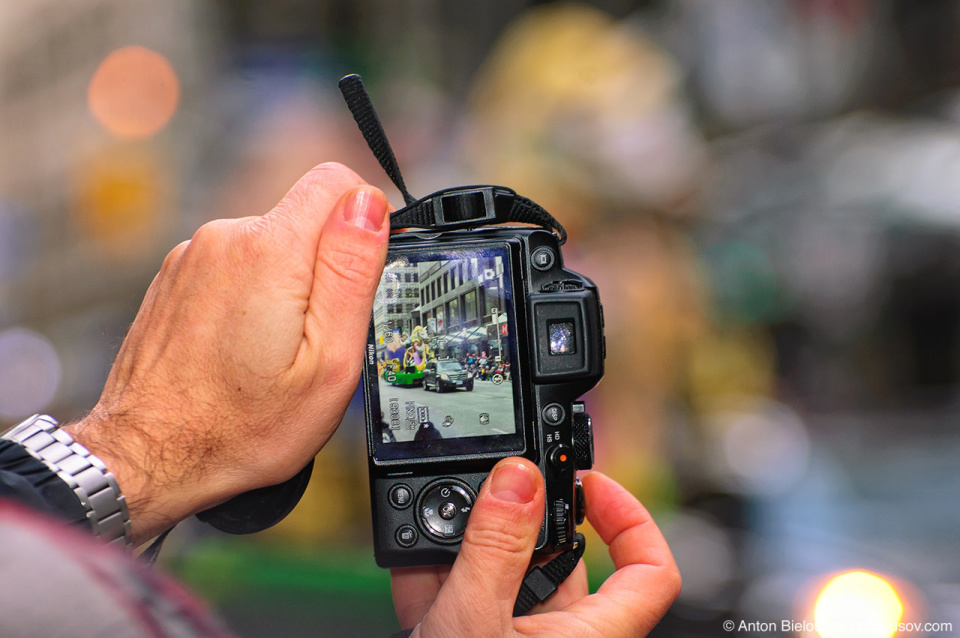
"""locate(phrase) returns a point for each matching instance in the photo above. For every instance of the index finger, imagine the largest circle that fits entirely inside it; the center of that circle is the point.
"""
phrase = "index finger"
(414, 589)
(624, 524)
(646, 582)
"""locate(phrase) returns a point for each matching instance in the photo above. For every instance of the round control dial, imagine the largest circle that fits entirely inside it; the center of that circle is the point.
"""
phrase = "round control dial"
(443, 509)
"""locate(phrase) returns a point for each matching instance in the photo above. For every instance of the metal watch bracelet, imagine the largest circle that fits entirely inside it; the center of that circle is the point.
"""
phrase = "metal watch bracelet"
(82, 471)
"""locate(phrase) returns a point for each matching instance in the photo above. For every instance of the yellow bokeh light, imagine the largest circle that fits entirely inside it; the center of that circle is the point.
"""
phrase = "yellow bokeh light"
(857, 605)
(134, 92)
(121, 195)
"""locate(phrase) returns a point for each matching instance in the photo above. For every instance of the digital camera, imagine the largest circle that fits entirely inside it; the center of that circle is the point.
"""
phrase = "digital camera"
(479, 344)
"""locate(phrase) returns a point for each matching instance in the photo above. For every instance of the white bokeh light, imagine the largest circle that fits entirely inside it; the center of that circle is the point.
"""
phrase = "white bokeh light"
(765, 447)
(30, 373)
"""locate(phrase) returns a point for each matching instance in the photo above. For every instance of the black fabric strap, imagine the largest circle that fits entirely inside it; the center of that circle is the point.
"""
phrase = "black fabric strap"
(449, 209)
(543, 582)
(28, 480)
(151, 553)
(258, 509)
(360, 105)
(472, 206)
(528, 211)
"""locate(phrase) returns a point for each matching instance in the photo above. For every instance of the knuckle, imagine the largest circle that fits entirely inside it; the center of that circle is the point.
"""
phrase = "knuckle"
(173, 257)
(336, 170)
(243, 241)
(213, 233)
(328, 177)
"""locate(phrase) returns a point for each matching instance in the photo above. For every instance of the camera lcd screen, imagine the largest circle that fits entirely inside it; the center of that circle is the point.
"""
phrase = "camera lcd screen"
(445, 339)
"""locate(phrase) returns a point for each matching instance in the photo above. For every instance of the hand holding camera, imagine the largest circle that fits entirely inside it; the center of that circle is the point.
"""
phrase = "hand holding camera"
(475, 596)
(228, 379)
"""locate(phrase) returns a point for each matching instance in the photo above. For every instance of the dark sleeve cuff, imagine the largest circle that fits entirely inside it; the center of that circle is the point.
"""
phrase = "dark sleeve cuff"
(27, 480)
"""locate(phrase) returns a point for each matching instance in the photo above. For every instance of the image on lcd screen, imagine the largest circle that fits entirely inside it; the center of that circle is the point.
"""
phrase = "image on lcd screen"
(444, 337)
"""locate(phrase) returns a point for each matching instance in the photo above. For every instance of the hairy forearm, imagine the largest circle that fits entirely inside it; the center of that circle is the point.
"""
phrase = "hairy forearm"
(146, 468)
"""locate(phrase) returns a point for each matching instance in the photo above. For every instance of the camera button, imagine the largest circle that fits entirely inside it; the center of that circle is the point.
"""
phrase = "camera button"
(448, 510)
(580, 503)
(406, 536)
(543, 258)
(444, 509)
(561, 457)
(553, 414)
(400, 496)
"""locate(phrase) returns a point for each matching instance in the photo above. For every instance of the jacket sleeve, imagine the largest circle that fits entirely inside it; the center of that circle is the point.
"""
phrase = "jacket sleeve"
(28, 481)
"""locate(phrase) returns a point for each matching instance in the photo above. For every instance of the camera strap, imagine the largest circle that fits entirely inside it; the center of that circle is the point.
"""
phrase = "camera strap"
(448, 209)
(542, 582)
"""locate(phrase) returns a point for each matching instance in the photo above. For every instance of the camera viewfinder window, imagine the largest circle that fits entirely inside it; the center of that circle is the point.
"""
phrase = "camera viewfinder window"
(444, 333)
(562, 337)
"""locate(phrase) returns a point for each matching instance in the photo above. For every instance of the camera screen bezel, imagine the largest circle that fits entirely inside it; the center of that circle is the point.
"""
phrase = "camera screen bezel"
(466, 448)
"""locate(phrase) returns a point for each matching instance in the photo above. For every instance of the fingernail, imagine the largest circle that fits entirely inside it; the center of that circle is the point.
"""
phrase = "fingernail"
(513, 483)
(364, 208)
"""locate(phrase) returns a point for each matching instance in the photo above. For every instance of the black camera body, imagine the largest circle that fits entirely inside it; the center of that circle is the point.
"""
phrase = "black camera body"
(479, 345)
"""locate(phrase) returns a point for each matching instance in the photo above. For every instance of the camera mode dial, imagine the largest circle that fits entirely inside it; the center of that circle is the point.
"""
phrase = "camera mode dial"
(444, 508)
(582, 437)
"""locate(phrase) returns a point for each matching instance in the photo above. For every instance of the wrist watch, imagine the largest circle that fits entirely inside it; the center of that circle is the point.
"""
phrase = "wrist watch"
(91, 481)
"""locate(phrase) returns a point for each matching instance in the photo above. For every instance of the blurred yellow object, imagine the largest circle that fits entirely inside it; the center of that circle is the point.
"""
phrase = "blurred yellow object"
(730, 364)
(857, 605)
(134, 92)
(583, 114)
(574, 57)
(120, 196)
(335, 503)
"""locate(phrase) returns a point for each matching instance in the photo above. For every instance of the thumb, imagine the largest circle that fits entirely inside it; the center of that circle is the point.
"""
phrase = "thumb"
(482, 587)
(350, 256)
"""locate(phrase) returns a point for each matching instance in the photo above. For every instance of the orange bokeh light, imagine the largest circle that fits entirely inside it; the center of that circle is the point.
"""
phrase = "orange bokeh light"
(134, 92)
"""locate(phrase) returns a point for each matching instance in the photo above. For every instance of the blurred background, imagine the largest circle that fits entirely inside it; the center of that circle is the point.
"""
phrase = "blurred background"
(767, 193)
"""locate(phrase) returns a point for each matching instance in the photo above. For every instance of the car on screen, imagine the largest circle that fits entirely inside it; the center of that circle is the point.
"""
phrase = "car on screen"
(446, 374)
(409, 375)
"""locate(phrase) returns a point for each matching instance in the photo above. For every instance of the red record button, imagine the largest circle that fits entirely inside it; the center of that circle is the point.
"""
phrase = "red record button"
(561, 457)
